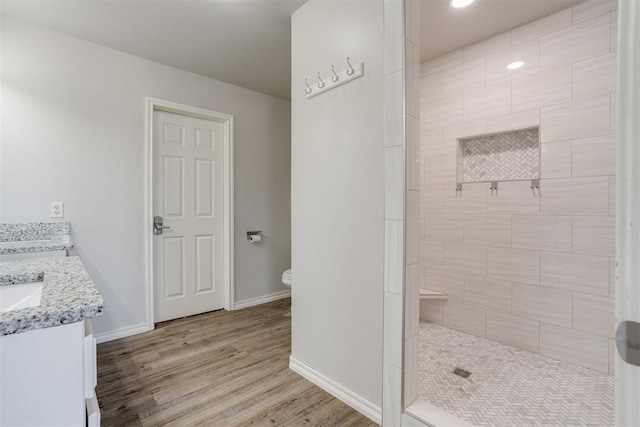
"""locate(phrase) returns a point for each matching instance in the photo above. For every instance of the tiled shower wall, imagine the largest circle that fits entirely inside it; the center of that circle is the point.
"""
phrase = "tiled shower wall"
(528, 268)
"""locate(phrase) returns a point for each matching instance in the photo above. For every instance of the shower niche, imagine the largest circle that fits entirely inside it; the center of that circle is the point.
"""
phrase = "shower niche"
(505, 156)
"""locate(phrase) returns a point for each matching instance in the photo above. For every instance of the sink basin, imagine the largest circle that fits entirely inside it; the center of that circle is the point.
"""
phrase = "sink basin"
(16, 297)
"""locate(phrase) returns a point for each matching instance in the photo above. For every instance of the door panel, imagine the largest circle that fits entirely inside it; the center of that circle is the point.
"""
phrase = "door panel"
(172, 184)
(205, 196)
(188, 194)
(173, 266)
(205, 263)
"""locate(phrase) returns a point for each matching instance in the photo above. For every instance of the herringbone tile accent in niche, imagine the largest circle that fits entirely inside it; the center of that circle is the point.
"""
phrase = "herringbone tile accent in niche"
(509, 386)
(501, 157)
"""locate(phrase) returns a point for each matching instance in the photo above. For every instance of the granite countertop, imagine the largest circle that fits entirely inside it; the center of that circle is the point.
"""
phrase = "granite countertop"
(68, 294)
(25, 237)
(24, 246)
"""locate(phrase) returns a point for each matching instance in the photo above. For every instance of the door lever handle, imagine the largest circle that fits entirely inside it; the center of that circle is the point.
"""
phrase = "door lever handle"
(157, 225)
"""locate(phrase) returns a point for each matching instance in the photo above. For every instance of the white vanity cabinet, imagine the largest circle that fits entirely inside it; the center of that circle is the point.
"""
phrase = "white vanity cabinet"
(47, 377)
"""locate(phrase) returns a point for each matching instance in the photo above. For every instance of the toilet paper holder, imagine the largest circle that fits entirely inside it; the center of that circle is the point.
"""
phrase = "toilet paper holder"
(253, 233)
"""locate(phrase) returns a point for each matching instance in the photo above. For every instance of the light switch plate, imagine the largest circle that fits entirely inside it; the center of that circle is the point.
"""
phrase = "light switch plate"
(57, 210)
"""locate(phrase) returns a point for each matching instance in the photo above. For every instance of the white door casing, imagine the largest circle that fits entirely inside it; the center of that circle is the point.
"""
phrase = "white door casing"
(190, 162)
(628, 206)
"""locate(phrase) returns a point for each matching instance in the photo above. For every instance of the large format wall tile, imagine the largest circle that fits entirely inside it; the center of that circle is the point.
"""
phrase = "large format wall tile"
(514, 121)
(588, 350)
(430, 87)
(578, 42)
(614, 112)
(467, 76)
(488, 230)
(431, 254)
(466, 319)
(431, 199)
(594, 314)
(613, 45)
(513, 331)
(555, 160)
(516, 265)
(513, 197)
(412, 224)
(487, 46)
(548, 233)
(486, 293)
(413, 153)
(431, 311)
(594, 156)
(471, 200)
(612, 195)
(541, 27)
(412, 80)
(443, 62)
(439, 169)
(448, 283)
(491, 101)
(393, 260)
(452, 134)
(442, 112)
(394, 182)
(518, 260)
(577, 119)
(412, 300)
(592, 8)
(595, 76)
(497, 70)
(444, 227)
(575, 196)
(541, 89)
(539, 303)
(594, 235)
(580, 273)
(431, 142)
(465, 259)
(393, 111)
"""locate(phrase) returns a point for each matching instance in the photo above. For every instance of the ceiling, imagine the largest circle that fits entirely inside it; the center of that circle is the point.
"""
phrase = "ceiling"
(445, 29)
(242, 42)
(248, 42)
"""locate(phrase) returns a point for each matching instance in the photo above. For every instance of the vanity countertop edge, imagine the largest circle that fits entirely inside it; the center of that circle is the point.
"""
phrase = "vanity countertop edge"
(68, 294)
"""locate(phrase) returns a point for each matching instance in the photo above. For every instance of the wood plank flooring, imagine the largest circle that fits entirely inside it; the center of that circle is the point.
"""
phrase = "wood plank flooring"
(215, 369)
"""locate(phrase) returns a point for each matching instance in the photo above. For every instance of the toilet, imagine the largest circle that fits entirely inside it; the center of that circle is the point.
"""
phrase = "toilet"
(286, 278)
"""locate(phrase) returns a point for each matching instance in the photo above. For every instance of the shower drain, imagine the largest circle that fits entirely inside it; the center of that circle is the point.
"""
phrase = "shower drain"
(461, 372)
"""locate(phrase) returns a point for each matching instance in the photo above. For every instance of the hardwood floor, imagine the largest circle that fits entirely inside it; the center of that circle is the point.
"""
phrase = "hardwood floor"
(215, 369)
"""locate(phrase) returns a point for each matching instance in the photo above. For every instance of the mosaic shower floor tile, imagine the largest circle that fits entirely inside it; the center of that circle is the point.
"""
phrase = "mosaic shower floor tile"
(509, 386)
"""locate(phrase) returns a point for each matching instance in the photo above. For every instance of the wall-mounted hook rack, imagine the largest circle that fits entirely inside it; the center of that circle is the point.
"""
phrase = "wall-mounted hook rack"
(334, 79)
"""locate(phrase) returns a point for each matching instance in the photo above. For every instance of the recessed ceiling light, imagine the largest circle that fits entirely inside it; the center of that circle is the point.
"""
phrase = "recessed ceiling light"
(515, 65)
(461, 3)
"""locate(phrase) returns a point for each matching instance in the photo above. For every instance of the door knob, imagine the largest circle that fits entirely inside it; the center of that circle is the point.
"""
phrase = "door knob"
(157, 225)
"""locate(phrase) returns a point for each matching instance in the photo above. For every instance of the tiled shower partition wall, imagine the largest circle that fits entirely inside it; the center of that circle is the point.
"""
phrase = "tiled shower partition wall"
(402, 225)
(527, 268)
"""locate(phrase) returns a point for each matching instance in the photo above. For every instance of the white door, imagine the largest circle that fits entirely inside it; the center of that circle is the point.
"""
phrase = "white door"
(628, 219)
(188, 196)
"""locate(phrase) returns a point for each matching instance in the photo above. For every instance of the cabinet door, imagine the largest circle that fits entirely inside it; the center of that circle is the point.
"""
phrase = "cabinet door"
(90, 366)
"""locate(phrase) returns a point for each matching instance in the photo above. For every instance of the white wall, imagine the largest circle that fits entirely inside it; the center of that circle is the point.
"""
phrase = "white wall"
(73, 131)
(338, 196)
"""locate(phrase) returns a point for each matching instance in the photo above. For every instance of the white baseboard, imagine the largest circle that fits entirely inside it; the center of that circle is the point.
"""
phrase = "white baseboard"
(122, 333)
(261, 300)
(352, 399)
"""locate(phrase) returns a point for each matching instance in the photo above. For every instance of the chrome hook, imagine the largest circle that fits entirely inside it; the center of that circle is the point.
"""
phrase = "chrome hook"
(320, 82)
(308, 89)
(335, 76)
(350, 70)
